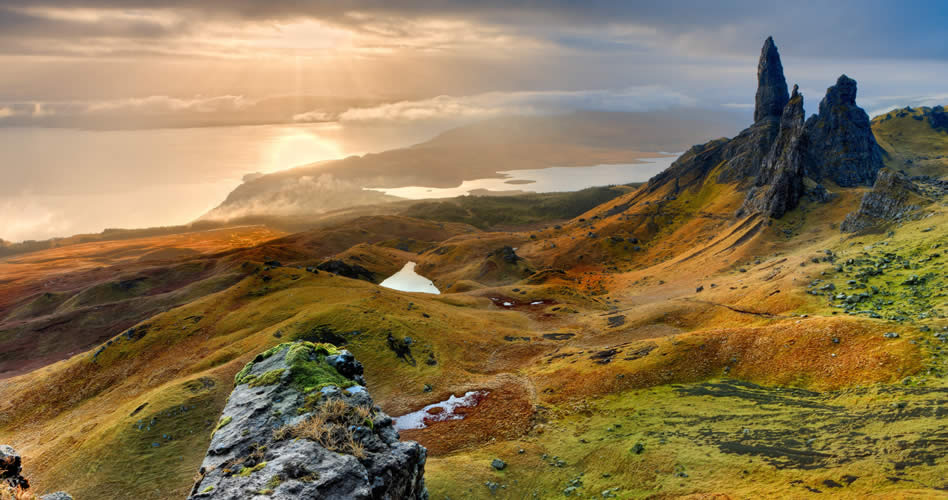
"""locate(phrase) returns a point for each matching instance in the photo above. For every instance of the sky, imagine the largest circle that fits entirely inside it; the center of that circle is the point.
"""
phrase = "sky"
(141, 63)
(343, 77)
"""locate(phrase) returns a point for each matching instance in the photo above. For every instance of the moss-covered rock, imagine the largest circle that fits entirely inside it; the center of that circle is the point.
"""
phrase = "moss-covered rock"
(299, 425)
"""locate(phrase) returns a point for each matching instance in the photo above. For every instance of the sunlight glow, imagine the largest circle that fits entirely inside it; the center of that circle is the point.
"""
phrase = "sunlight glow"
(298, 148)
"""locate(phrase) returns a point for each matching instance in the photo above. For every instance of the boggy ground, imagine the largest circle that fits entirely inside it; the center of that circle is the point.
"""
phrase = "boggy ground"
(674, 351)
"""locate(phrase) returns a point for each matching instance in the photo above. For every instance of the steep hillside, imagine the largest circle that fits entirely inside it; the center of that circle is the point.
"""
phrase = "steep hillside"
(916, 140)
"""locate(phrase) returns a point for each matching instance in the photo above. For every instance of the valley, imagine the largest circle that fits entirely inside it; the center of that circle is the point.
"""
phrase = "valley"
(718, 331)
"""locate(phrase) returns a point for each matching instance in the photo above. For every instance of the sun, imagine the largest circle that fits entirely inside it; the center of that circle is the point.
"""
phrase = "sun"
(300, 147)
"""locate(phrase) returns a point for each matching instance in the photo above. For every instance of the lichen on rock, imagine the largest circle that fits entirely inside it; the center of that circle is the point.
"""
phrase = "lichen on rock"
(300, 424)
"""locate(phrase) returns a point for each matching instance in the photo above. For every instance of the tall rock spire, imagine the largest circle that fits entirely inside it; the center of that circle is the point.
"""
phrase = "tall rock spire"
(772, 93)
(843, 147)
(780, 181)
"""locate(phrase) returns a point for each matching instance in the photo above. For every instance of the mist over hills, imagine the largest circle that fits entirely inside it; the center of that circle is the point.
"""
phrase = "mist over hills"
(475, 151)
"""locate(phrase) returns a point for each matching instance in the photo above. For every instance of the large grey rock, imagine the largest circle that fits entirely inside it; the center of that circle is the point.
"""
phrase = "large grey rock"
(780, 182)
(261, 450)
(772, 95)
(842, 146)
(893, 196)
(59, 495)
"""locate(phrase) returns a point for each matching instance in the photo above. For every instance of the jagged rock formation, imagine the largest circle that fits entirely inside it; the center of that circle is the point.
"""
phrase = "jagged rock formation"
(780, 182)
(842, 147)
(772, 94)
(11, 476)
(299, 425)
(892, 197)
(781, 158)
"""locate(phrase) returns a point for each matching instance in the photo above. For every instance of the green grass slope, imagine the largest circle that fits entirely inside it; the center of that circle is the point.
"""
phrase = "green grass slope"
(913, 144)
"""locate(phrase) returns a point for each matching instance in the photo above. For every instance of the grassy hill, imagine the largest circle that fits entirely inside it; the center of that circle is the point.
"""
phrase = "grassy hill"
(916, 140)
(652, 344)
(689, 363)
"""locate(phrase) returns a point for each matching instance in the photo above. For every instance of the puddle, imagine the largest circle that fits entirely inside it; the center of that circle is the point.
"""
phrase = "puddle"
(407, 280)
(439, 412)
(510, 303)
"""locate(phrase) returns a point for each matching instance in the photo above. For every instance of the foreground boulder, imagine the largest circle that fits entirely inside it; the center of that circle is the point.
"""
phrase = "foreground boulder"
(299, 425)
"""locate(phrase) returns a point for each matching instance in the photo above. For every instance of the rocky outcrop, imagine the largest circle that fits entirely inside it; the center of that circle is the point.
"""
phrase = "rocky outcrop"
(938, 118)
(11, 476)
(781, 158)
(772, 93)
(780, 182)
(893, 197)
(300, 424)
(506, 253)
(842, 147)
(341, 268)
(741, 158)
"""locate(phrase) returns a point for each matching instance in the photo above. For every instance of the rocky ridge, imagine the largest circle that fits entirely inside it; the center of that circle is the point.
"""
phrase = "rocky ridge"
(781, 158)
(780, 183)
(300, 424)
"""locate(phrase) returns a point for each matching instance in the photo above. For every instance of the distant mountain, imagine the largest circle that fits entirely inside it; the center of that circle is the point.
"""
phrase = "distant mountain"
(916, 140)
(473, 152)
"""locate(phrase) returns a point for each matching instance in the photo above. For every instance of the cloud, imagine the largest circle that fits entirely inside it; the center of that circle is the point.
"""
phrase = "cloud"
(166, 104)
(486, 105)
(594, 25)
(151, 111)
(883, 104)
(410, 51)
(22, 217)
(312, 116)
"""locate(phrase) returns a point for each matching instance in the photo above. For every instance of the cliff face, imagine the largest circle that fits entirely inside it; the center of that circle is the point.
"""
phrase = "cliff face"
(780, 182)
(842, 147)
(772, 94)
(781, 157)
(300, 424)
